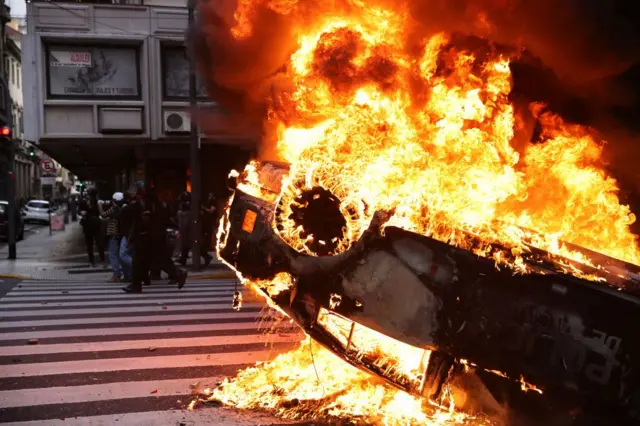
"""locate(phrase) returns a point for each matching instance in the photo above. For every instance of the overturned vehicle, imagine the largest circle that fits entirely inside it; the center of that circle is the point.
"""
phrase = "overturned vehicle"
(546, 331)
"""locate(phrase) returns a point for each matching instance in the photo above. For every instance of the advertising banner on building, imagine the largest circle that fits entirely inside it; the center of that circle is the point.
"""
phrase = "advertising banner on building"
(93, 72)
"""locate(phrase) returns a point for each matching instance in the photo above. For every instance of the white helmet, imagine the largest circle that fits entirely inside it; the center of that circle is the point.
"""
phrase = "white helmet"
(118, 196)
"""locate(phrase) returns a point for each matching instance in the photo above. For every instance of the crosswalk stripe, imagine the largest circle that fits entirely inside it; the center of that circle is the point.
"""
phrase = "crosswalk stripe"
(131, 320)
(73, 349)
(125, 309)
(146, 344)
(102, 392)
(121, 302)
(158, 418)
(97, 283)
(127, 364)
(116, 290)
(118, 331)
(118, 295)
(108, 285)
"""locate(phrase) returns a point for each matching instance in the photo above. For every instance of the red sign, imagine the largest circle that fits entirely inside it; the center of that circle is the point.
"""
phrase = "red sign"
(81, 58)
(48, 166)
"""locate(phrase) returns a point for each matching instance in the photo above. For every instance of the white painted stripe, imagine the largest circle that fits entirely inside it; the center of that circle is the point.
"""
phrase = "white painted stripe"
(128, 320)
(119, 295)
(102, 392)
(84, 282)
(218, 416)
(129, 364)
(126, 301)
(99, 285)
(184, 342)
(151, 329)
(115, 290)
(122, 310)
(105, 285)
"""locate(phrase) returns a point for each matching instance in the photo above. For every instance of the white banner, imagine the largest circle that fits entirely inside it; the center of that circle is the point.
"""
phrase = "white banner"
(95, 71)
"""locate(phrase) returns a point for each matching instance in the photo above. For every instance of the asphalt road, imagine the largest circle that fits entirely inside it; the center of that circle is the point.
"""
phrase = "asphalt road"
(29, 229)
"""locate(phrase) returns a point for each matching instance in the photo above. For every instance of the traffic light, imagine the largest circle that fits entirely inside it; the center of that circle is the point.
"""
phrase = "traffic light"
(32, 152)
(5, 150)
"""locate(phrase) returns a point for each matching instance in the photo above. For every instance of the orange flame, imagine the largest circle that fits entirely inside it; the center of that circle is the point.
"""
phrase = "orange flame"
(432, 135)
(424, 127)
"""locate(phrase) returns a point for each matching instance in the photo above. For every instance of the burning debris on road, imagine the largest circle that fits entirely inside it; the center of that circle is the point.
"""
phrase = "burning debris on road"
(412, 228)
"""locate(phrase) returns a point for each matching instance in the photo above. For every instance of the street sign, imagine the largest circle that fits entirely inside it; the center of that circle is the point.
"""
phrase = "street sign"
(47, 166)
(48, 180)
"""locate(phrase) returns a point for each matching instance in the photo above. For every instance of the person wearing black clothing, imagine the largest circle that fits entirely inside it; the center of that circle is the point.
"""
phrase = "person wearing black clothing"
(184, 219)
(156, 268)
(149, 242)
(92, 226)
(208, 221)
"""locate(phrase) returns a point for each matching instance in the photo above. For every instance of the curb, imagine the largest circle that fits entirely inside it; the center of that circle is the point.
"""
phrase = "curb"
(228, 274)
(15, 276)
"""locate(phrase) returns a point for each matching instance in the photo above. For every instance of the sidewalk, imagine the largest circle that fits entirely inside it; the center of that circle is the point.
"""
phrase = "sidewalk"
(62, 256)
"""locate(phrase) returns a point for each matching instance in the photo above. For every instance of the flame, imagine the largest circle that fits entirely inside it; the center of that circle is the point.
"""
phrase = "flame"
(311, 382)
(425, 128)
(432, 135)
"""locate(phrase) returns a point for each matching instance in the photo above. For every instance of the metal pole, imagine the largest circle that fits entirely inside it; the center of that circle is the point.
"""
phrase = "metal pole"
(11, 189)
(196, 190)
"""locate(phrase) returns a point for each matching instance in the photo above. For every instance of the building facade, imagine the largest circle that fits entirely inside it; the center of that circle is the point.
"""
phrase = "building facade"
(25, 167)
(108, 92)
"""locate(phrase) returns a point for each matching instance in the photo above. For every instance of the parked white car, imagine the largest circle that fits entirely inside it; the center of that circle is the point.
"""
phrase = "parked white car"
(37, 211)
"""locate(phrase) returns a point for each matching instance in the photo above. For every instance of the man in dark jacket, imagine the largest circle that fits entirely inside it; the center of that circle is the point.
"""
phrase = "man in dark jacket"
(149, 242)
(92, 227)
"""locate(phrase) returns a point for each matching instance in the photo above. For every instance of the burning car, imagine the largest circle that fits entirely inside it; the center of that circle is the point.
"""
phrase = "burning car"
(546, 329)
(420, 221)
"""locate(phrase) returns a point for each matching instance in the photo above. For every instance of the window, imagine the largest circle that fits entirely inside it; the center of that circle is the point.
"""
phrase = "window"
(175, 71)
(38, 204)
(13, 72)
(21, 122)
(93, 72)
(6, 68)
(19, 69)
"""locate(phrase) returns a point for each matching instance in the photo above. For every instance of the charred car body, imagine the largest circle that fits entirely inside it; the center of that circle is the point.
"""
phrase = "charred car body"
(565, 335)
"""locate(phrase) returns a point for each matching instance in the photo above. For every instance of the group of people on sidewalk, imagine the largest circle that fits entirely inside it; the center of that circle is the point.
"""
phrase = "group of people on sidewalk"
(136, 231)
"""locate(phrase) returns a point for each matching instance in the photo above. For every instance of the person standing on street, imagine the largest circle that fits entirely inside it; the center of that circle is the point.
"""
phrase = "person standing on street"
(91, 226)
(184, 226)
(149, 239)
(208, 221)
(73, 208)
(113, 234)
(125, 225)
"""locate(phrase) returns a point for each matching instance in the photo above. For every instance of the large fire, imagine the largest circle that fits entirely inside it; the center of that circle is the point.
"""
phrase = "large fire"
(431, 133)
(424, 128)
